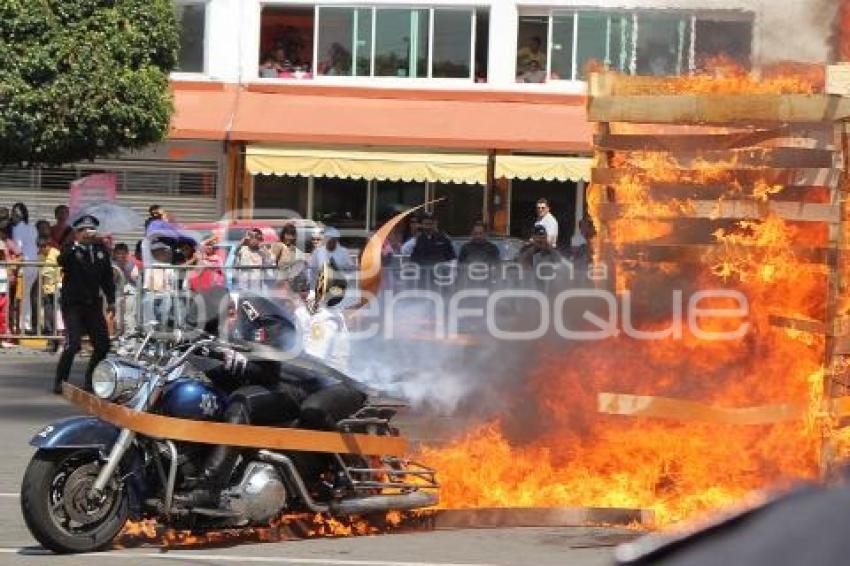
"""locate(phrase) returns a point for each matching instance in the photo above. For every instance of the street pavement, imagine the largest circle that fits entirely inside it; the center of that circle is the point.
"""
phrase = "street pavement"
(26, 405)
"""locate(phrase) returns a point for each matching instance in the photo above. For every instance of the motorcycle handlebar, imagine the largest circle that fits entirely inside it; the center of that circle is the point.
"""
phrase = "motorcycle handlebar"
(180, 336)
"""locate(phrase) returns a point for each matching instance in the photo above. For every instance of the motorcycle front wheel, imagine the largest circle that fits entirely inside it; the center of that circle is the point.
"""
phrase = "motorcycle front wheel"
(57, 508)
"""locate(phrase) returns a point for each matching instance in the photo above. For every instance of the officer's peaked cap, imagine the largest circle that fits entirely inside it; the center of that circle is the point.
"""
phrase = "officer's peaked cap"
(86, 222)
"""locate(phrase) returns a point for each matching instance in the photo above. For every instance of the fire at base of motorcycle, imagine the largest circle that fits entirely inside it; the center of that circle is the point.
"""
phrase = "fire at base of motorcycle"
(89, 477)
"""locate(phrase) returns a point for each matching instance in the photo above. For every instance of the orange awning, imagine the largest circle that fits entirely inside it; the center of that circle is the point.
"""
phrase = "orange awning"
(460, 123)
(202, 111)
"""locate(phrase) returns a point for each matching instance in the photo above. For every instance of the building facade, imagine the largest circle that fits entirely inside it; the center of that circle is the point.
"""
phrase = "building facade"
(347, 111)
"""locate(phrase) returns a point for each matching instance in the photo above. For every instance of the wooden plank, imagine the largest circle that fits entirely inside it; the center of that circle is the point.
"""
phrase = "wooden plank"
(696, 253)
(795, 177)
(809, 325)
(514, 517)
(273, 438)
(692, 411)
(748, 109)
(730, 209)
(666, 191)
(811, 136)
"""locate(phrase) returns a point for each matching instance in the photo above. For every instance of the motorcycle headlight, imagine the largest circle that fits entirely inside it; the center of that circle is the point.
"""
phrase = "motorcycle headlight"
(113, 379)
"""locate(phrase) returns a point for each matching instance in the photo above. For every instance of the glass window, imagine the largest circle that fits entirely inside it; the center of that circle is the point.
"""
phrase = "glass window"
(191, 20)
(340, 202)
(719, 39)
(401, 42)
(392, 197)
(661, 40)
(452, 44)
(532, 39)
(286, 42)
(345, 41)
(273, 195)
(563, 32)
(604, 41)
(464, 205)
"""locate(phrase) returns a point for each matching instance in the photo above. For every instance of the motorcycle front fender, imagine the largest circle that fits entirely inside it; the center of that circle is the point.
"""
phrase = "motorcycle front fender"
(76, 432)
(95, 434)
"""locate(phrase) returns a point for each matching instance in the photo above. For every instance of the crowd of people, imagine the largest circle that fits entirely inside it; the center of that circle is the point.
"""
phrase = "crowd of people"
(167, 262)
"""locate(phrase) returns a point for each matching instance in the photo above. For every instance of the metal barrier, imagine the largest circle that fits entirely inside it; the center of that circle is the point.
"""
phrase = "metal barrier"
(167, 294)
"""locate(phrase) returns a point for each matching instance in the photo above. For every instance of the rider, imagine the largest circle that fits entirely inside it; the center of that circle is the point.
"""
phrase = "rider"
(274, 384)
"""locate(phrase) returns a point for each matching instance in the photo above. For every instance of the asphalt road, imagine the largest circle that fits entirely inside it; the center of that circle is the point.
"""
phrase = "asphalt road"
(26, 406)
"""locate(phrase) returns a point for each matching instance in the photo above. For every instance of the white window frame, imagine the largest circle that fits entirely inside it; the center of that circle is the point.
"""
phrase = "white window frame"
(372, 80)
(205, 72)
(634, 14)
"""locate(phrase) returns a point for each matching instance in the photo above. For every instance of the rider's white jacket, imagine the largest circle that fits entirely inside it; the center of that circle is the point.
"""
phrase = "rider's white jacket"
(325, 335)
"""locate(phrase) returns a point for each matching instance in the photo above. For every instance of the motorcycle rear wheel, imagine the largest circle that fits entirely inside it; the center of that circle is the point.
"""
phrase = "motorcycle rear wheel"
(55, 506)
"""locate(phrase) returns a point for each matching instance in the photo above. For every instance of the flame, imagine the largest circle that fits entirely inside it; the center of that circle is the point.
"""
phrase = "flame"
(287, 526)
(562, 452)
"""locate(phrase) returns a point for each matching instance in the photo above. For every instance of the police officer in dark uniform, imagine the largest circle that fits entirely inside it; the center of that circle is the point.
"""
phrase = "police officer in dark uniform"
(267, 386)
(86, 272)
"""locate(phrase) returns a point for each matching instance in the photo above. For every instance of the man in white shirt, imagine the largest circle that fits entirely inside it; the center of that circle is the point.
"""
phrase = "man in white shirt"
(330, 250)
(545, 219)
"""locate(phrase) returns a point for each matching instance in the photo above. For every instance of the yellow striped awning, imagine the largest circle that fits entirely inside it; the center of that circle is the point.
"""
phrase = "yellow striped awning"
(262, 159)
(543, 167)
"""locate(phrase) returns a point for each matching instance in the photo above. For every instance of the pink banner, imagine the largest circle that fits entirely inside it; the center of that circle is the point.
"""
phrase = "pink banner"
(101, 187)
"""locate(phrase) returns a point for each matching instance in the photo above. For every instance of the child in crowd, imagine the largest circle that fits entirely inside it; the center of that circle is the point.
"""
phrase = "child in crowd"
(4, 293)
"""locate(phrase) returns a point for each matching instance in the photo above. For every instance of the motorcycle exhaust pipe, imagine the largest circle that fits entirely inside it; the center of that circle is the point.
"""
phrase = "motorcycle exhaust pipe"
(381, 503)
(355, 505)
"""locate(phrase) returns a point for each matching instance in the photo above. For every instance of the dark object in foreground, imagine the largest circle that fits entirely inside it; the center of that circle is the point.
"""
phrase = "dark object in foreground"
(806, 526)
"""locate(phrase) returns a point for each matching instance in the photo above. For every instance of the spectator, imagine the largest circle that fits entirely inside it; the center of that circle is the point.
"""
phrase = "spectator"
(269, 69)
(25, 237)
(538, 250)
(545, 219)
(432, 246)
(123, 263)
(287, 254)
(252, 257)
(208, 274)
(42, 228)
(479, 249)
(414, 229)
(331, 250)
(155, 212)
(315, 242)
(60, 230)
(534, 74)
(138, 254)
(531, 55)
(4, 291)
(48, 255)
(160, 282)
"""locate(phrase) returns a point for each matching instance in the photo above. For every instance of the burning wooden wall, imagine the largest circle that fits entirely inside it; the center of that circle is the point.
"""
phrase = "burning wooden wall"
(742, 184)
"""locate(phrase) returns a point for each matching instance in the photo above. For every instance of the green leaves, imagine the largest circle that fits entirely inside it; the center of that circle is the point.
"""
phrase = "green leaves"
(83, 78)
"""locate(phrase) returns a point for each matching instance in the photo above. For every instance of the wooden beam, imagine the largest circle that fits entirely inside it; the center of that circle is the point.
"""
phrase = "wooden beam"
(822, 177)
(666, 191)
(696, 253)
(731, 209)
(692, 411)
(746, 109)
(514, 517)
(798, 136)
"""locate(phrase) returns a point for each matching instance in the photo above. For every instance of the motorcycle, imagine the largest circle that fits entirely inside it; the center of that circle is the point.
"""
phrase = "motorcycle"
(88, 477)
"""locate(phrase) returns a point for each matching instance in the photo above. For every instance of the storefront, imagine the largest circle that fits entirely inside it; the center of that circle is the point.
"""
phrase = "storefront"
(359, 190)
(353, 158)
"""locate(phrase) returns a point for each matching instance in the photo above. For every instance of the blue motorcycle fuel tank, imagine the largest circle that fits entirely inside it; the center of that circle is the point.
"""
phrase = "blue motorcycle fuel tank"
(188, 398)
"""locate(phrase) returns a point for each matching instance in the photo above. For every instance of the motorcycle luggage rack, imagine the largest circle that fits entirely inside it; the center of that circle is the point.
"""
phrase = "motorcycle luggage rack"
(426, 476)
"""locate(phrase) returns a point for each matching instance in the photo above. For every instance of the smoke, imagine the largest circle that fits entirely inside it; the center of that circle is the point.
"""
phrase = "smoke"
(795, 30)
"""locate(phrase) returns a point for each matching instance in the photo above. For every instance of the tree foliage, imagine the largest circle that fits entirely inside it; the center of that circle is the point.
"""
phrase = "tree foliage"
(80, 79)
